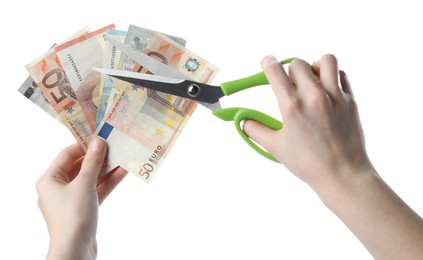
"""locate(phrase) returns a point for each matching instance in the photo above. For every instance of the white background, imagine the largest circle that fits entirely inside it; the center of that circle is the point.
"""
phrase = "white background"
(214, 197)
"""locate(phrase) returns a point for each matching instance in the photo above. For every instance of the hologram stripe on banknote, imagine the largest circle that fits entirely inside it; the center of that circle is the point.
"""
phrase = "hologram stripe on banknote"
(110, 60)
(139, 38)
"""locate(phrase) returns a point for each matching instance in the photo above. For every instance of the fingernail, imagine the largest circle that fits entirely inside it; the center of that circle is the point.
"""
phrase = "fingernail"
(97, 144)
(267, 60)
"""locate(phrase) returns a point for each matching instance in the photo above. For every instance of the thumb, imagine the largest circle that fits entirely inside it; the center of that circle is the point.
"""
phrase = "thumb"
(260, 134)
(93, 162)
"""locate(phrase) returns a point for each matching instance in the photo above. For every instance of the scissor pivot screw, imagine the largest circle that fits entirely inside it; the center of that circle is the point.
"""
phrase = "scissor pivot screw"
(193, 90)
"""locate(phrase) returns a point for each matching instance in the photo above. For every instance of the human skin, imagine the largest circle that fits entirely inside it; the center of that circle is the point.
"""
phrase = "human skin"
(70, 193)
(322, 143)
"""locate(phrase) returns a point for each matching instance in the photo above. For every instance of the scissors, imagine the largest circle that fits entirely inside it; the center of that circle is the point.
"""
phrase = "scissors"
(175, 83)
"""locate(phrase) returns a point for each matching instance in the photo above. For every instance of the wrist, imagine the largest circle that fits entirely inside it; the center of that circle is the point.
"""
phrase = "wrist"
(340, 186)
(374, 213)
(72, 248)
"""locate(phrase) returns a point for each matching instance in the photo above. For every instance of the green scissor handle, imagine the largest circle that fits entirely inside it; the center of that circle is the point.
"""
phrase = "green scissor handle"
(238, 114)
(258, 79)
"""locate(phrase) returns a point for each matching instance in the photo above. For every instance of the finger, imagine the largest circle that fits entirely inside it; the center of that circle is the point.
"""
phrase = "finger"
(65, 161)
(105, 171)
(278, 79)
(328, 74)
(259, 133)
(345, 83)
(110, 182)
(73, 172)
(93, 162)
(302, 75)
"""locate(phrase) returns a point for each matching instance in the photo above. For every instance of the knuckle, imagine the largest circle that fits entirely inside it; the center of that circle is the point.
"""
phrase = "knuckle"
(352, 104)
(329, 58)
(319, 100)
(93, 160)
(296, 64)
(39, 184)
(66, 153)
(348, 100)
(293, 105)
(329, 63)
(271, 66)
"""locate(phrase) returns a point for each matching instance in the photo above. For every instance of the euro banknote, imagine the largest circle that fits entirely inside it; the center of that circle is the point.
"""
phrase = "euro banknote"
(139, 125)
(139, 38)
(59, 73)
(111, 55)
(78, 58)
(30, 90)
(142, 125)
(110, 89)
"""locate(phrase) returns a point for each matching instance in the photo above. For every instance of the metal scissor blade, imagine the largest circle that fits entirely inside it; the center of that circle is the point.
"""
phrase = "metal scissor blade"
(151, 64)
(178, 87)
(133, 76)
(156, 67)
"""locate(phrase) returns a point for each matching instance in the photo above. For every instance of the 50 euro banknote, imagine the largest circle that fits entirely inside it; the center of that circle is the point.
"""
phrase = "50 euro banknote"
(60, 73)
(137, 37)
(142, 125)
(31, 91)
